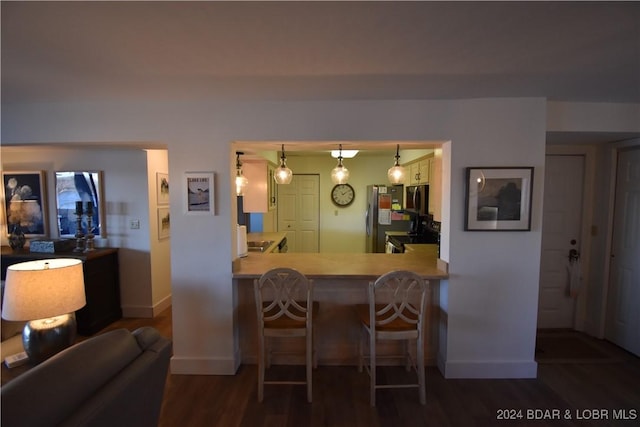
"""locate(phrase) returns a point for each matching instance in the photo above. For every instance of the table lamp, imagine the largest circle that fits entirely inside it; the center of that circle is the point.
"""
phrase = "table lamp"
(46, 294)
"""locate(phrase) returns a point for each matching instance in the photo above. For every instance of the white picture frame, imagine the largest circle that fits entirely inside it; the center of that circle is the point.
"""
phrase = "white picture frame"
(199, 193)
(80, 186)
(24, 194)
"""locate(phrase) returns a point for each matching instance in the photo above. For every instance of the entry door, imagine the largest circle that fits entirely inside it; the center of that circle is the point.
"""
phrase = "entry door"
(561, 226)
(299, 213)
(623, 316)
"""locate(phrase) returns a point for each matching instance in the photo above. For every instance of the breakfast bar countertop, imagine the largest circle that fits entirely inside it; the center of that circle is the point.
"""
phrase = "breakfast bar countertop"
(340, 265)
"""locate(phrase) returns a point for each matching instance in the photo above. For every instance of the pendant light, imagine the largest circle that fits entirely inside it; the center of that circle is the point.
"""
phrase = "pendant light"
(340, 174)
(396, 173)
(283, 174)
(241, 180)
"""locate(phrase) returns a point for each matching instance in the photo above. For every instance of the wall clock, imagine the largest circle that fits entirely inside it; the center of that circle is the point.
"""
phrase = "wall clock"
(342, 195)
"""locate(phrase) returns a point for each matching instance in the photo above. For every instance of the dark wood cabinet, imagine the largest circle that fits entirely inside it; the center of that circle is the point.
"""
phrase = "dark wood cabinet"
(101, 284)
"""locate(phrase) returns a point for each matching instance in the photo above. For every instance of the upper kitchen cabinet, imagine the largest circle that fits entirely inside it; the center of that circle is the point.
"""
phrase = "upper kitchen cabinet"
(428, 170)
(260, 194)
(420, 170)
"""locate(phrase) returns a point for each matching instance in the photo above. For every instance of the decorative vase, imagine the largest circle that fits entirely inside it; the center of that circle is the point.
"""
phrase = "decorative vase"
(16, 238)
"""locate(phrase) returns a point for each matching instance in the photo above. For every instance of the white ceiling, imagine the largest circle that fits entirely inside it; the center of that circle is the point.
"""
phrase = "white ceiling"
(571, 51)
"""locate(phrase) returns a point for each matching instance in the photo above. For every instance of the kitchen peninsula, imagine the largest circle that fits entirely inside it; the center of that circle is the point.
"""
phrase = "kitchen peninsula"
(421, 259)
(340, 281)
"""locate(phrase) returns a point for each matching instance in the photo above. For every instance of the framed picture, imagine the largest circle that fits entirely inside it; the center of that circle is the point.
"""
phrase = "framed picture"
(199, 193)
(162, 188)
(73, 187)
(25, 202)
(164, 223)
(498, 199)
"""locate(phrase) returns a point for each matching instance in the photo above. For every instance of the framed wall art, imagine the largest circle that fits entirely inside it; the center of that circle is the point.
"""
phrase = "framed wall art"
(199, 193)
(162, 188)
(74, 187)
(164, 223)
(498, 198)
(25, 202)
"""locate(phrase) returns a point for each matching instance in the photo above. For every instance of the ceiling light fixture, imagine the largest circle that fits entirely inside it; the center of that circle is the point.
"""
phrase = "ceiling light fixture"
(340, 174)
(346, 154)
(241, 180)
(396, 173)
(283, 174)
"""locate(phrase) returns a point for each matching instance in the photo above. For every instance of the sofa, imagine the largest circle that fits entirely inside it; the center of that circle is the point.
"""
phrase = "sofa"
(113, 379)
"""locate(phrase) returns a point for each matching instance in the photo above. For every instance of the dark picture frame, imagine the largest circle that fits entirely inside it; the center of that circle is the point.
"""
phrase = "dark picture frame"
(80, 186)
(498, 198)
(25, 202)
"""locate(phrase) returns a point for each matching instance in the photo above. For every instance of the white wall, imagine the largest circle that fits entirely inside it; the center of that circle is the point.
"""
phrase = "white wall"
(592, 117)
(492, 291)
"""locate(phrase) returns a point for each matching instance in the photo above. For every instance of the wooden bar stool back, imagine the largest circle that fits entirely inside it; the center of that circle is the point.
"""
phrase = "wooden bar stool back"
(396, 311)
(284, 302)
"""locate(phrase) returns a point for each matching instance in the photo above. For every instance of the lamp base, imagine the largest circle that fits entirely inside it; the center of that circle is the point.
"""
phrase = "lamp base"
(45, 337)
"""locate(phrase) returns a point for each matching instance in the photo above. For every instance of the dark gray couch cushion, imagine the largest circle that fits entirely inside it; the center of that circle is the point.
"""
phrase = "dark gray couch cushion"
(113, 379)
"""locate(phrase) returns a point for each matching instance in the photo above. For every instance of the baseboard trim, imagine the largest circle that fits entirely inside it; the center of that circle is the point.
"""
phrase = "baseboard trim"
(146, 312)
(489, 370)
(162, 305)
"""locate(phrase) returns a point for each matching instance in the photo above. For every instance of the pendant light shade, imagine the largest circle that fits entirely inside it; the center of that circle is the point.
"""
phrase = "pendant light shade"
(241, 180)
(283, 174)
(340, 174)
(396, 173)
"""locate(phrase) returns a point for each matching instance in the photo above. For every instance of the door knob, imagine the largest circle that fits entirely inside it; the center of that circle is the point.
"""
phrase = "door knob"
(574, 255)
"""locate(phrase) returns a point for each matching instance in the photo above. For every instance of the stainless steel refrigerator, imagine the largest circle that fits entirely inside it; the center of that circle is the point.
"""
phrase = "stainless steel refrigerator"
(382, 202)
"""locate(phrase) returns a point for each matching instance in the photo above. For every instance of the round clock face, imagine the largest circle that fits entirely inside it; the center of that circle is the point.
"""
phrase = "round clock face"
(342, 195)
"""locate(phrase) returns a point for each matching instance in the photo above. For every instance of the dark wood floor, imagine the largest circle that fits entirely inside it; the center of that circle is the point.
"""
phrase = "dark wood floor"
(579, 389)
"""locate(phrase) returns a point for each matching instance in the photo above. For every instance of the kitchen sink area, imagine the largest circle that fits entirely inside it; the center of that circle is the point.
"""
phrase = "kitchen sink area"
(259, 245)
(266, 242)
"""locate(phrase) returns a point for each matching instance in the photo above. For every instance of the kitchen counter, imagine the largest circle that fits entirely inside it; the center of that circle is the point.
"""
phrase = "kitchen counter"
(428, 249)
(342, 265)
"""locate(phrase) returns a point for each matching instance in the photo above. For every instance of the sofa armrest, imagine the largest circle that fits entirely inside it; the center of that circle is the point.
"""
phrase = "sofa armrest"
(65, 380)
(134, 397)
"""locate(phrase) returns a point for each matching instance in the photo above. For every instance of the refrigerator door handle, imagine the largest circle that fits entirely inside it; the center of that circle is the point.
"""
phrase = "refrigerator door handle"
(366, 219)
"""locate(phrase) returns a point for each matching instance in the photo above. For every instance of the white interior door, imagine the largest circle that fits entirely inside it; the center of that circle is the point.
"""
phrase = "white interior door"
(561, 227)
(299, 213)
(623, 316)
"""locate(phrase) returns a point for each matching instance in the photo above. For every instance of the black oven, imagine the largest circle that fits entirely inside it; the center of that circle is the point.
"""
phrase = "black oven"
(430, 234)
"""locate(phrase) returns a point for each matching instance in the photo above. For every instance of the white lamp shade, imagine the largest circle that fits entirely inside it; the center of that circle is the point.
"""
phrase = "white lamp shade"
(42, 289)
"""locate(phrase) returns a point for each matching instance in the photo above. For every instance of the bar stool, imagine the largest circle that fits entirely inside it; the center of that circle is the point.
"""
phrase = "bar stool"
(396, 311)
(285, 308)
